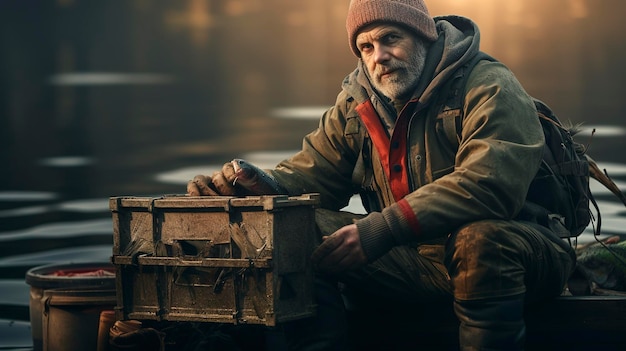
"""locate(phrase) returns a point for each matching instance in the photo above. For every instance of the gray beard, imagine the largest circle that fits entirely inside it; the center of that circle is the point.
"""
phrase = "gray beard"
(404, 80)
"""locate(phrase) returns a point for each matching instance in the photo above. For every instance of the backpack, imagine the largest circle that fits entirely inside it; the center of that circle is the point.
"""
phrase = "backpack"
(559, 193)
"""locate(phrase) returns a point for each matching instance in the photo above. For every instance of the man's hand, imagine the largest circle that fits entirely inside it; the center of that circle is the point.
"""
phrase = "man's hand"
(220, 183)
(340, 252)
(237, 177)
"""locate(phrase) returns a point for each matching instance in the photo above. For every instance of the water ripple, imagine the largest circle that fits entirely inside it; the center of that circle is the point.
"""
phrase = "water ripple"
(95, 253)
(62, 230)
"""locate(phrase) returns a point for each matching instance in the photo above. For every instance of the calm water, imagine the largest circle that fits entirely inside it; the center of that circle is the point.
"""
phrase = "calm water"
(90, 110)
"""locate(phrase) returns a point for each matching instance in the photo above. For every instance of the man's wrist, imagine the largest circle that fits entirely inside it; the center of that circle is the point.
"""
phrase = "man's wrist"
(375, 235)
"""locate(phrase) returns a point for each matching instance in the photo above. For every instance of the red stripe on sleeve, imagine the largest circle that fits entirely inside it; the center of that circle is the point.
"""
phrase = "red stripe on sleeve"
(410, 216)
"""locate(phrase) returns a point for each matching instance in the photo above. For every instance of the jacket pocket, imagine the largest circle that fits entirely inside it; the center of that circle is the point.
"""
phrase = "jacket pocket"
(353, 125)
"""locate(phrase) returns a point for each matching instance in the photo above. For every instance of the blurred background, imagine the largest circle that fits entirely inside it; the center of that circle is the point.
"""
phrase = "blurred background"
(135, 97)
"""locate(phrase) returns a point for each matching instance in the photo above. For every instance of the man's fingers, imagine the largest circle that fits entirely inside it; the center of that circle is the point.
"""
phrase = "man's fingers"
(204, 185)
(200, 186)
(228, 172)
(222, 184)
(340, 252)
(192, 189)
(330, 244)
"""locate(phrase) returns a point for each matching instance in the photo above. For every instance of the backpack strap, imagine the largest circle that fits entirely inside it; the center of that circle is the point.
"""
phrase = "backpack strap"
(451, 113)
(452, 108)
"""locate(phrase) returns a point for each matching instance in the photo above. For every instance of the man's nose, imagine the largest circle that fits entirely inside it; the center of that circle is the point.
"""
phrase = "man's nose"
(381, 53)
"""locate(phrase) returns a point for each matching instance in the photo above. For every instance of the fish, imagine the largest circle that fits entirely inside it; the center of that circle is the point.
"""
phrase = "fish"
(604, 265)
(254, 179)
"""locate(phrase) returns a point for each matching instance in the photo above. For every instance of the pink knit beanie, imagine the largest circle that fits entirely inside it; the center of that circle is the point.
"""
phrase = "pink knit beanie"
(411, 13)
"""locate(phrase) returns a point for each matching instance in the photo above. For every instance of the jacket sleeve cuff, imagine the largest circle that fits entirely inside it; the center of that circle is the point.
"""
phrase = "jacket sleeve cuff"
(402, 223)
(379, 232)
(375, 234)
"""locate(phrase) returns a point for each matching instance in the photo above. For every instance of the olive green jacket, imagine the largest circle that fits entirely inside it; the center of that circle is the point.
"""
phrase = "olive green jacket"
(419, 187)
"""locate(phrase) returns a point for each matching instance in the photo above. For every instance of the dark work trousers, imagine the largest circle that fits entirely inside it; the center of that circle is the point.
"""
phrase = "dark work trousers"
(489, 269)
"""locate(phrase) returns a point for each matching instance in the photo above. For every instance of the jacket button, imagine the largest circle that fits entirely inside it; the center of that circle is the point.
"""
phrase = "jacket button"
(397, 168)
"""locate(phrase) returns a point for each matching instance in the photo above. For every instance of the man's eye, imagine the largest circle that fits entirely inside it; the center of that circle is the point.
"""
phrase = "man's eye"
(365, 47)
(390, 38)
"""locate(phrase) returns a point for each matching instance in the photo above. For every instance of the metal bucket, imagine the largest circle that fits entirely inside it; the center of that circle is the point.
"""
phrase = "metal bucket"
(65, 309)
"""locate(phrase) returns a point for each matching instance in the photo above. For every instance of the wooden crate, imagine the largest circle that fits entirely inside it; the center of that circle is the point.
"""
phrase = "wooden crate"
(214, 259)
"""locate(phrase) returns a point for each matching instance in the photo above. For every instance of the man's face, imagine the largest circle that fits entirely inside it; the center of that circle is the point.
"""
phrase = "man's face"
(394, 57)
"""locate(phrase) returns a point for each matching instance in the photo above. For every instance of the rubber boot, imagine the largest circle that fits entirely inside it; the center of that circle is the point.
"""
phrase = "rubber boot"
(493, 324)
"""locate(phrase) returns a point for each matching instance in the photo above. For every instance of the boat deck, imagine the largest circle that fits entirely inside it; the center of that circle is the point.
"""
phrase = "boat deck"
(564, 323)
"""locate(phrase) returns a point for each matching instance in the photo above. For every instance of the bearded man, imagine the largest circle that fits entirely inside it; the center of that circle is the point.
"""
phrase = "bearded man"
(442, 221)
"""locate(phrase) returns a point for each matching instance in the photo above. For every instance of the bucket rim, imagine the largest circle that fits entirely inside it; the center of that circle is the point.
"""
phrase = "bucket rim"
(39, 276)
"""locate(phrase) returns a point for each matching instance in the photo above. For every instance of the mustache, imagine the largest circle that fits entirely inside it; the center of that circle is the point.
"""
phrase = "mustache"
(381, 70)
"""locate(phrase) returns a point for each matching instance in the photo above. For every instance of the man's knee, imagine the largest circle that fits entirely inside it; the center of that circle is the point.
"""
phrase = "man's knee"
(479, 241)
(485, 260)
